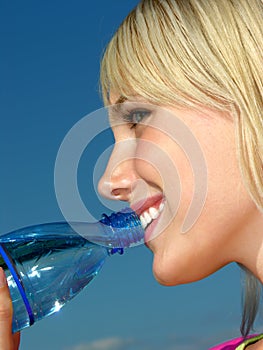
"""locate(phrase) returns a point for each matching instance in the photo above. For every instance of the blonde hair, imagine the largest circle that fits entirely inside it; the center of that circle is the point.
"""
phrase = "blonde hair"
(192, 53)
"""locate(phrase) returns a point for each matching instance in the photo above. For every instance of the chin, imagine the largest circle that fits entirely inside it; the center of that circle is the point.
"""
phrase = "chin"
(164, 275)
(168, 280)
(174, 272)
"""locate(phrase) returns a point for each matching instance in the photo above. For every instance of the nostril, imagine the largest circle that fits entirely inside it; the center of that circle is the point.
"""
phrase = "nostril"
(116, 192)
(122, 194)
(117, 183)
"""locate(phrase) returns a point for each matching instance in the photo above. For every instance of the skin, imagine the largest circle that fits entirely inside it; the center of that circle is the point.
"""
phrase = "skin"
(256, 346)
(229, 227)
(8, 341)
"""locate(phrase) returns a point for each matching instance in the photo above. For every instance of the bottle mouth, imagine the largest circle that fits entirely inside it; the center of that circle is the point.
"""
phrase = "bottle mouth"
(127, 230)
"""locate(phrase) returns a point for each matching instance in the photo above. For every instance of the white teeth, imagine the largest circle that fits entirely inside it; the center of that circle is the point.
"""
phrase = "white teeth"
(154, 213)
(161, 207)
(151, 214)
(143, 222)
(147, 217)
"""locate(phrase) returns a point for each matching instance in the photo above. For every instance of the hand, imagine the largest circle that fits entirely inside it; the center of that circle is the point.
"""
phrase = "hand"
(8, 341)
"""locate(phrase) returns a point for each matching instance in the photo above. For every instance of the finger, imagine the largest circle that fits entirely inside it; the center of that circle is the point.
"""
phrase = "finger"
(6, 313)
(16, 340)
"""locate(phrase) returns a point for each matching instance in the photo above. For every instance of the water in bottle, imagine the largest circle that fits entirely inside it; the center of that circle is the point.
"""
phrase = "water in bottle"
(48, 264)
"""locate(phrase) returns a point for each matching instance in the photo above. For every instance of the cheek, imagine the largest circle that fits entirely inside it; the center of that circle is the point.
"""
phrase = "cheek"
(161, 162)
(227, 197)
(180, 258)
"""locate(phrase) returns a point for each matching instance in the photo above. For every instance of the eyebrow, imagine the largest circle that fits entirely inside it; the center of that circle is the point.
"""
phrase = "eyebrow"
(115, 109)
(117, 105)
(121, 99)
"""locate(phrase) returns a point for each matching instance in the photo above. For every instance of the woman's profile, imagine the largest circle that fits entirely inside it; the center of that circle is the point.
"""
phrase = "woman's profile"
(193, 65)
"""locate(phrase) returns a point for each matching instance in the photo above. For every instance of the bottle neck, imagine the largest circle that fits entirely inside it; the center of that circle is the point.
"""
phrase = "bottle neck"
(123, 229)
(115, 232)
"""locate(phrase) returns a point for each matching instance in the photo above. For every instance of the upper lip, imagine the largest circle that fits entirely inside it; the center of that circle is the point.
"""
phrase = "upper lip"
(144, 204)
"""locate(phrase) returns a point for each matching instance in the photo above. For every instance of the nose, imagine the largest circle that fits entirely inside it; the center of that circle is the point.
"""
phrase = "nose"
(120, 176)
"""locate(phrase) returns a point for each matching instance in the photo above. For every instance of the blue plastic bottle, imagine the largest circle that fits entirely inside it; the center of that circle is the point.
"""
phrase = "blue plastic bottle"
(47, 265)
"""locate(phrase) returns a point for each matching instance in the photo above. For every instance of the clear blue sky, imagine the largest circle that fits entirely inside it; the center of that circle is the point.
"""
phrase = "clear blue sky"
(49, 69)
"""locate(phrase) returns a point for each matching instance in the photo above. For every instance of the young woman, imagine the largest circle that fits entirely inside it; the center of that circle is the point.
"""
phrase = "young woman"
(192, 67)
(200, 63)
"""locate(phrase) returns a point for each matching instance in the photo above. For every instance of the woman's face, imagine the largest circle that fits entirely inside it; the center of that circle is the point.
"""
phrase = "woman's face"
(177, 168)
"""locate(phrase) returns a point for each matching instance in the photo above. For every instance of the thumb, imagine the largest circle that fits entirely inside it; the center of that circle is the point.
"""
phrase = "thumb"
(6, 314)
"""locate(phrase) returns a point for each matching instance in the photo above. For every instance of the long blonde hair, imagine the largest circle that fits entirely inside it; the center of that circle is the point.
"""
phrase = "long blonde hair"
(192, 53)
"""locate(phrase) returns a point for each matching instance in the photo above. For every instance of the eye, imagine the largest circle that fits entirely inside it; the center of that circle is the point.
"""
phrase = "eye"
(136, 116)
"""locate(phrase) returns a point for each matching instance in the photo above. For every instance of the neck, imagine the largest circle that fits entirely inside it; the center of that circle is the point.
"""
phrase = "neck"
(248, 245)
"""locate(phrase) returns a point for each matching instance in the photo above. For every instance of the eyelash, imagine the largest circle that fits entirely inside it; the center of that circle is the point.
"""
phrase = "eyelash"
(129, 117)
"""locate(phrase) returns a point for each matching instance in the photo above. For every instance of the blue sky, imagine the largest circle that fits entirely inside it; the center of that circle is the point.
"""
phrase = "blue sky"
(49, 69)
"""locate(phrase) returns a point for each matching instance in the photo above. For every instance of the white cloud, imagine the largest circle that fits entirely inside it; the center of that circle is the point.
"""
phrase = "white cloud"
(113, 343)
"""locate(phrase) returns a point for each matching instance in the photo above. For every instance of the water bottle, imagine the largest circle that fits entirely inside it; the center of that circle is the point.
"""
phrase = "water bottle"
(48, 264)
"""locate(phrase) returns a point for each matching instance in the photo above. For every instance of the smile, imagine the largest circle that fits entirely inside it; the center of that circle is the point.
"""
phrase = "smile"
(149, 209)
(151, 214)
